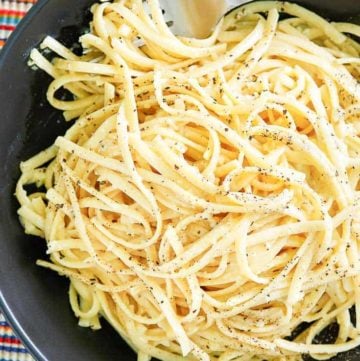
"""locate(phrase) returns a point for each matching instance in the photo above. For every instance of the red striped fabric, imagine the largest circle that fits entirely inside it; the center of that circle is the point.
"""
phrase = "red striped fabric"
(11, 12)
(7, 27)
(10, 340)
(11, 348)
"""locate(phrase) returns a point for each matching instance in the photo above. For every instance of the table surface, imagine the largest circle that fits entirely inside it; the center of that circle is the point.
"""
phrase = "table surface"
(11, 12)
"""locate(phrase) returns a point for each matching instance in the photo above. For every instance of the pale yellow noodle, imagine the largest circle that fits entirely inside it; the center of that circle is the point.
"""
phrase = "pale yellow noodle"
(205, 199)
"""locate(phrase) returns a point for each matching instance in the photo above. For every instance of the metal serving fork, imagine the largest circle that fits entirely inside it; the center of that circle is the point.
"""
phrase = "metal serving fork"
(196, 18)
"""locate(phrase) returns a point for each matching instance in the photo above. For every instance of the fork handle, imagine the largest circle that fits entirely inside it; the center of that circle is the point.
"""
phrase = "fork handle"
(196, 18)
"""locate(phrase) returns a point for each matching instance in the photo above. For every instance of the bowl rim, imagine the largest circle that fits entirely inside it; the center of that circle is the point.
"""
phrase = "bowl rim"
(5, 308)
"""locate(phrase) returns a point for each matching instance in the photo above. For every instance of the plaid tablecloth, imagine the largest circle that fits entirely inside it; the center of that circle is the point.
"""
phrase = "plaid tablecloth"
(11, 12)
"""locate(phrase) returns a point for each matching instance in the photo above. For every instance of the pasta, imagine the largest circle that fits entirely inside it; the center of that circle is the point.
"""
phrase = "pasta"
(205, 199)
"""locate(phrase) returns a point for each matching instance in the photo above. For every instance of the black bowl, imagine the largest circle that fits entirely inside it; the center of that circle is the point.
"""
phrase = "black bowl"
(35, 300)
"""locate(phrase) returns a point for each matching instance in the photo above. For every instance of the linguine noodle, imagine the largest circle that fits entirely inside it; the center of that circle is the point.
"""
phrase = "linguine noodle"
(205, 199)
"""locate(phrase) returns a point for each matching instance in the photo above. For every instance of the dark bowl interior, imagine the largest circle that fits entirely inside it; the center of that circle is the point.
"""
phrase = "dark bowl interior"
(35, 300)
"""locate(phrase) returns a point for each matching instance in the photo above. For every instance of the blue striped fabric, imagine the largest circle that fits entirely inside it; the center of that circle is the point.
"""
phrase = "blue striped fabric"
(11, 348)
(11, 12)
